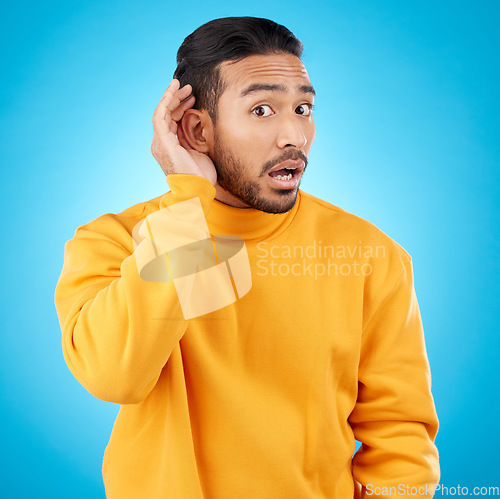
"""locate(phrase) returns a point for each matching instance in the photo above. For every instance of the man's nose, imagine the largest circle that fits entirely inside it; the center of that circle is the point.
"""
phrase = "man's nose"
(291, 133)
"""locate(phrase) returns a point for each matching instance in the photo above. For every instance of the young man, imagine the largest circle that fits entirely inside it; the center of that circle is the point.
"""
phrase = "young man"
(249, 331)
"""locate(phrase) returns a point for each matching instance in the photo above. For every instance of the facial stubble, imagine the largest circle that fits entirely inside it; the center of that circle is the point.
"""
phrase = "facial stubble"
(232, 176)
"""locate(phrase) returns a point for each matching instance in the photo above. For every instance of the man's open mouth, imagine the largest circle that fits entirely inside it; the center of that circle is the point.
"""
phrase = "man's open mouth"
(283, 174)
(288, 171)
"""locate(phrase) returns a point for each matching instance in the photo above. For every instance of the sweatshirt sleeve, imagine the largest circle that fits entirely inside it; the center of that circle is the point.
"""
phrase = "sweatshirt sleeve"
(394, 417)
(119, 329)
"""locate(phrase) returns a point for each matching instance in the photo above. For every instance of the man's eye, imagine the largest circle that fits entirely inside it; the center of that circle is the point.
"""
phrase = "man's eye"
(262, 111)
(304, 109)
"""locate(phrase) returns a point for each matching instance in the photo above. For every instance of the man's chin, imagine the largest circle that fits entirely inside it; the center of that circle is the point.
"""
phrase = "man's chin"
(282, 202)
(277, 201)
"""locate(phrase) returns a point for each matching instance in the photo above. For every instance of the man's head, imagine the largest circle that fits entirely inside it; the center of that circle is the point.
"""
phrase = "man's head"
(252, 113)
(227, 39)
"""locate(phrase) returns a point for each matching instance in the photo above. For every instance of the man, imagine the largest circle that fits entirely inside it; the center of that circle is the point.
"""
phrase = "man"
(251, 373)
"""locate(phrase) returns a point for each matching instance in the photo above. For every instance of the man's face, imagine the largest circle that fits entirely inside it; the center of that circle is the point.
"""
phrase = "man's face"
(264, 132)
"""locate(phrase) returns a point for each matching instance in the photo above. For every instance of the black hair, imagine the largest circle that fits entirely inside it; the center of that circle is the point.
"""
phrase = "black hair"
(227, 39)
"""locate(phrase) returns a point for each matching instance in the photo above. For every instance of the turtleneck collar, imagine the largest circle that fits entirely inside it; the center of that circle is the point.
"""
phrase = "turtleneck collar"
(248, 223)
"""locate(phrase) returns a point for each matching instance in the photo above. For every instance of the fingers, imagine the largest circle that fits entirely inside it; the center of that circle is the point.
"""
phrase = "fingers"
(178, 97)
(169, 143)
(177, 114)
(166, 99)
(170, 102)
(182, 138)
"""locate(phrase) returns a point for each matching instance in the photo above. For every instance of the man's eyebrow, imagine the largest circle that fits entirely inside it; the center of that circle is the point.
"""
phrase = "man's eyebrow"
(258, 87)
(307, 89)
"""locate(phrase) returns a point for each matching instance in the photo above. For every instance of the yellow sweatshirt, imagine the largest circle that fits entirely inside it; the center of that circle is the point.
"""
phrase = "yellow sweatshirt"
(262, 398)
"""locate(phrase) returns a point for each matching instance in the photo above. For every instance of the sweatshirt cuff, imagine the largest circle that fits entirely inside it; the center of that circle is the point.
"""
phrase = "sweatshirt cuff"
(186, 186)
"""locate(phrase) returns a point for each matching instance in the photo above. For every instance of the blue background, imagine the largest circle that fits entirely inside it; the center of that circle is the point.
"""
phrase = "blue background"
(407, 114)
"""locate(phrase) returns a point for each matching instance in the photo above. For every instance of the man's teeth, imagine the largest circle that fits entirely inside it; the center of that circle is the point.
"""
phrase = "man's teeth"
(284, 177)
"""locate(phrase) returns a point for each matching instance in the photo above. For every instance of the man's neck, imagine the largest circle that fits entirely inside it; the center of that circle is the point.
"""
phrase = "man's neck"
(227, 198)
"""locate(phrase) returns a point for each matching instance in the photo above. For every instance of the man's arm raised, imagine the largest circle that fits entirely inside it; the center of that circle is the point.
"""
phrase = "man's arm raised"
(119, 329)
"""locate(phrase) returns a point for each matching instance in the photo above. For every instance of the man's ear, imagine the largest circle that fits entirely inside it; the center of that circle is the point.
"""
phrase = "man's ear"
(198, 129)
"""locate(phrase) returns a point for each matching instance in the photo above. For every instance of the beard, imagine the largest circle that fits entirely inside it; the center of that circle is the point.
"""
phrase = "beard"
(232, 176)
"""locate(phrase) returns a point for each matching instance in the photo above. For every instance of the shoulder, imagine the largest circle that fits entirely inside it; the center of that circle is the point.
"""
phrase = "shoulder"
(118, 227)
(347, 228)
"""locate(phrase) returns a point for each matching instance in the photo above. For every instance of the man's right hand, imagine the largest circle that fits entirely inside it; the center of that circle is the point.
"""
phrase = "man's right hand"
(169, 146)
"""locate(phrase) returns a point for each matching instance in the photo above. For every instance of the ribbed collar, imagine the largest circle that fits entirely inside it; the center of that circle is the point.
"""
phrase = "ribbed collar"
(248, 223)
